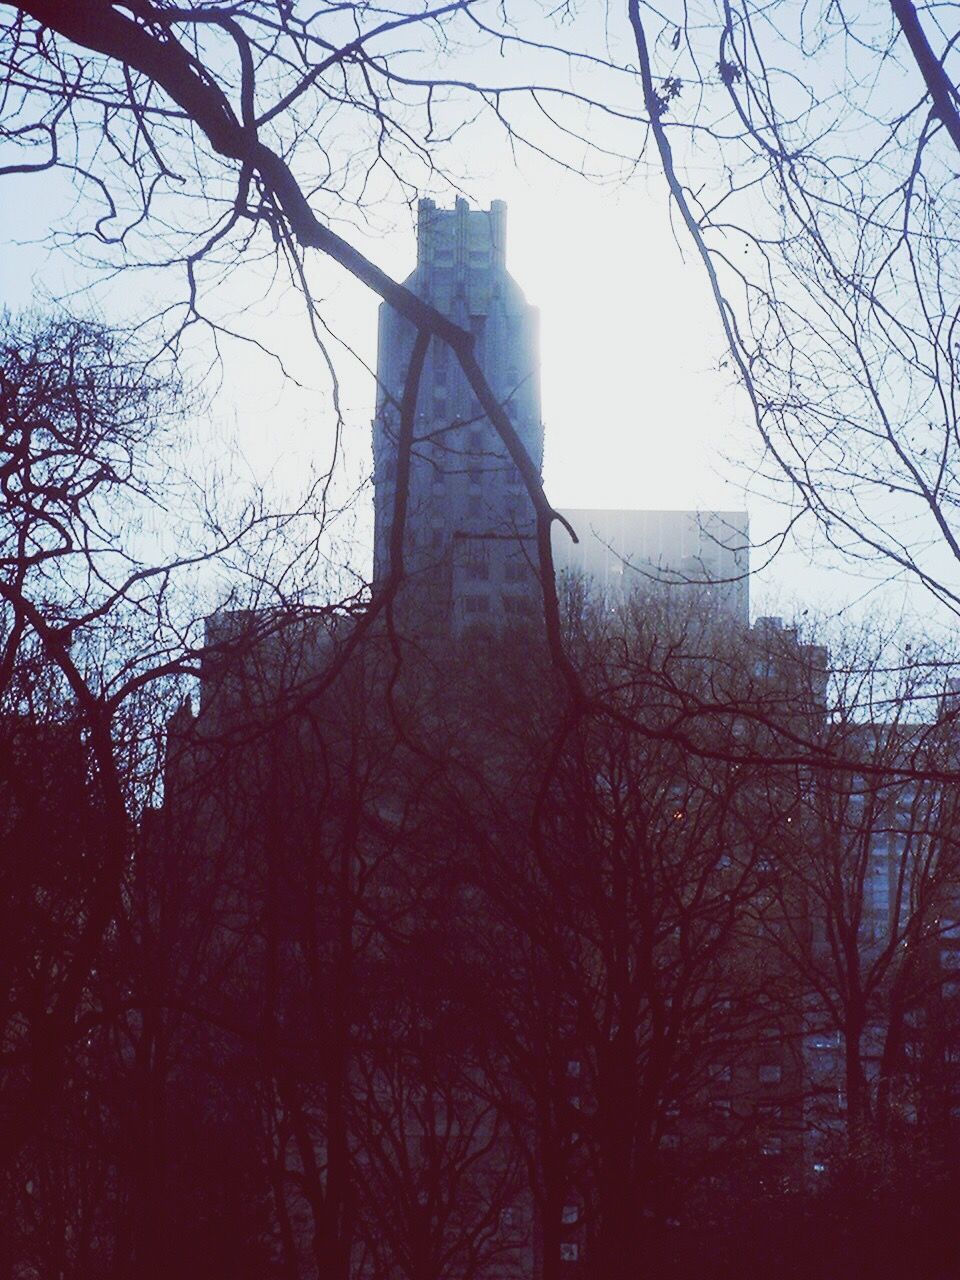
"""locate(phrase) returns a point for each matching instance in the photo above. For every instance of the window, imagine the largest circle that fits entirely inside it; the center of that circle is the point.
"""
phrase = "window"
(770, 1073)
(475, 473)
(508, 1217)
(436, 539)
(569, 1215)
(515, 570)
(721, 1107)
(569, 1252)
(670, 1142)
(477, 570)
(771, 1146)
(822, 1043)
(720, 1075)
(573, 1068)
(475, 507)
(476, 604)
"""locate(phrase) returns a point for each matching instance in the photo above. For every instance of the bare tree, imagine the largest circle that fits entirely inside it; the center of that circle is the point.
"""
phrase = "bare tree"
(811, 154)
(249, 97)
(867, 856)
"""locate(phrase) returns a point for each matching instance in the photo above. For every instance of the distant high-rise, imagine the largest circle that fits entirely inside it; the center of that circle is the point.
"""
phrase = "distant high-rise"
(469, 530)
(701, 555)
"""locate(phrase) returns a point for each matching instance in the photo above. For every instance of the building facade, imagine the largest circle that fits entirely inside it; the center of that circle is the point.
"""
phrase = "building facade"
(701, 555)
(469, 529)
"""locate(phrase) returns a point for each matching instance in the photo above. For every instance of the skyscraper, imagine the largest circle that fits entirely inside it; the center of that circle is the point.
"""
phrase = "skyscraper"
(469, 531)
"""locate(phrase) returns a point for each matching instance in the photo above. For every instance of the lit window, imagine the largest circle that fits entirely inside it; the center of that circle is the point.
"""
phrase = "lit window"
(822, 1043)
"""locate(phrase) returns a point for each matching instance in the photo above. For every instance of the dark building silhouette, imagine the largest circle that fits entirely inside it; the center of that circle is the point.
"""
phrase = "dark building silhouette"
(335, 884)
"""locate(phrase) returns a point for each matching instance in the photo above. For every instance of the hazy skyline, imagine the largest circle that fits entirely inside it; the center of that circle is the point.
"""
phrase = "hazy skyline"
(640, 405)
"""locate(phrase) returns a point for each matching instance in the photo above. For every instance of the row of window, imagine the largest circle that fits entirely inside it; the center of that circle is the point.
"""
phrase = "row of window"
(480, 605)
(478, 570)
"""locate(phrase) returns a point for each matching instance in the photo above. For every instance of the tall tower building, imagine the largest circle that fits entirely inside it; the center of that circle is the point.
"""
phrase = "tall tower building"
(469, 532)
